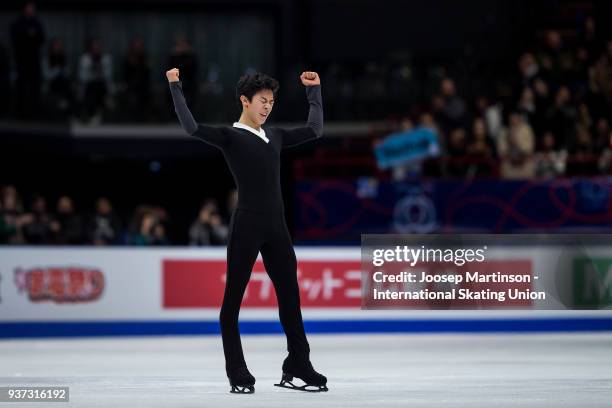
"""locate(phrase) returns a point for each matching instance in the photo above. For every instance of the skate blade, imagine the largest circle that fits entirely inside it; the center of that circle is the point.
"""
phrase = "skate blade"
(240, 389)
(292, 386)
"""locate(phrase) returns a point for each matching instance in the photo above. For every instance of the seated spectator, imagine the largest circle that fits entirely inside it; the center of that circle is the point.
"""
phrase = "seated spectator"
(529, 69)
(549, 161)
(481, 149)
(584, 158)
(104, 227)
(38, 229)
(561, 117)
(515, 147)
(67, 225)
(208, 228)
(150, 232)
(456, 149)
(12, 216)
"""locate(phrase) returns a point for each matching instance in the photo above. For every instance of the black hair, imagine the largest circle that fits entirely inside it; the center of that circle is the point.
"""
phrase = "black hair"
(248, 85)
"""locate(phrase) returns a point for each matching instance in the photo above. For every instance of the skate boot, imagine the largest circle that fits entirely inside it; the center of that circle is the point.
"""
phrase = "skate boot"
(313, 381)
(241, 380)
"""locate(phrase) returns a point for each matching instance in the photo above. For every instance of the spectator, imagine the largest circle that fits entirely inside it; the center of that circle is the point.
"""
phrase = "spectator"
(186, 61)
(516, 146)
(27, 37)
(104, 227)
(529, 69)
(96, 80)
(12, 215)
(58, 86)
(456, 149)
(481, 144)
(555, 61)
(67, 226)
(492, 114)
(38, 229)
(137, 72)
(208, 228)
(481, 148)
(584, 160)
(149, 231)
(590, 41)
(602, 134)
(527, 106)
(454, 108)
(561, 117)
(5, 89)
(549, 161)
(605, 161)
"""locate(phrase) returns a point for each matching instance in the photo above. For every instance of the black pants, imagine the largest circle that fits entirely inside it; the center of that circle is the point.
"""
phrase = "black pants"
(250, 233)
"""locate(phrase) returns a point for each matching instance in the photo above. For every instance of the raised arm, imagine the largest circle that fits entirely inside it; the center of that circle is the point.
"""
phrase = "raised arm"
(210, 134)
(314, 125)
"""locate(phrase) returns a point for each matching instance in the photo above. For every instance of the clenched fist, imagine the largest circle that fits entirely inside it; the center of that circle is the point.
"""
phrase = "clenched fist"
(310, 78)
(172, 75)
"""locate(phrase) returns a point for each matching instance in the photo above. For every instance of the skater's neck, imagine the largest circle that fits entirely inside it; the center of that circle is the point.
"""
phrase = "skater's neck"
(244, 119)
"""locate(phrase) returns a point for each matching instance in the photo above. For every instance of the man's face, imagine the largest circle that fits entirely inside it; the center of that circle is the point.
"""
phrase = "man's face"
(259, 107)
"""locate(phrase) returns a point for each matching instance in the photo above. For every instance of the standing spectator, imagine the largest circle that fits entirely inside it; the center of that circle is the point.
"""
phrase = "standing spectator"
(57, 85)
(96, 80)
(186, 61)
(137, 76)
(105, 227)
(27, 38)
(454, 109)
(5, 89)
(67, 225)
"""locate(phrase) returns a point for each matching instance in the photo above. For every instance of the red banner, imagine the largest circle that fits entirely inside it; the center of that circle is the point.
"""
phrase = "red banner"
(201, 283)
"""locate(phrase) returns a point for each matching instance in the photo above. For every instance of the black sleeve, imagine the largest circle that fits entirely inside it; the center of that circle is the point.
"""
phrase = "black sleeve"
(314, 125)
(210, 134)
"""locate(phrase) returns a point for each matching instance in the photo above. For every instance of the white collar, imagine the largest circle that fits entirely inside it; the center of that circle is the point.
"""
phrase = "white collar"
(261, 132)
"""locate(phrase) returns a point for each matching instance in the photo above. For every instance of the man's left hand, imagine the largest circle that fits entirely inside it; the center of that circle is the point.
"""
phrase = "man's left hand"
(310, 78)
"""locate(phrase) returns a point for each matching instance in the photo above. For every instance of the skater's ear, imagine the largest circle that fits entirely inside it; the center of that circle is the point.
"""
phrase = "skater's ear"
(244, 100)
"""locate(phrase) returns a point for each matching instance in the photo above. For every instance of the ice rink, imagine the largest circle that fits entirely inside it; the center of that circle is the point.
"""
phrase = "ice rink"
(442, 370)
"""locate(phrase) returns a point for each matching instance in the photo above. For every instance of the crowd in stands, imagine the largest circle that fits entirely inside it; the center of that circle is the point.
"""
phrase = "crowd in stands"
(555, 121)
(64, 224)
(49, 86)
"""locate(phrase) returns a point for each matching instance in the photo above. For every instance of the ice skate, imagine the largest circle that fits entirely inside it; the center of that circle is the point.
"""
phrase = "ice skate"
(242, 381)
(313, 381)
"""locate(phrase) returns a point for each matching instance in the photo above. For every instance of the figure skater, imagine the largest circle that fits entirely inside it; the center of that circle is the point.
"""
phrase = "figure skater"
(258, 222)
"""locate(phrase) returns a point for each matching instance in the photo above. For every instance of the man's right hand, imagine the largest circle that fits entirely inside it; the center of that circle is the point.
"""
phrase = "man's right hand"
(172, 75)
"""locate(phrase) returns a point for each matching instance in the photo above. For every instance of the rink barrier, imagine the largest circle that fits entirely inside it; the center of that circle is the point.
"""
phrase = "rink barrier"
(153, 328)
